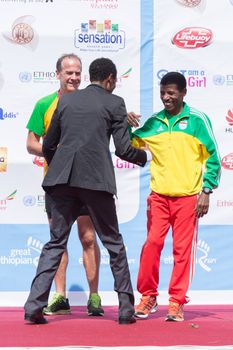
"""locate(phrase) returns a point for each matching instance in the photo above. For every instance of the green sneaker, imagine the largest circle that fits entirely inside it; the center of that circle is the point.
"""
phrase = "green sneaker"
(94, 307)
(57, 306)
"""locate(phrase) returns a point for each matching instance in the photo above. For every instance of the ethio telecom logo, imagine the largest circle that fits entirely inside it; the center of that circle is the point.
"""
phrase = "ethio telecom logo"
(229, 117)
(126, 74)
(227, 162)
(192, 38)
(10, 197)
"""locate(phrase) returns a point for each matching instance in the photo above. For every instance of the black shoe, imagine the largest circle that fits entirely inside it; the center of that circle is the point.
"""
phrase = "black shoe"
(126, 319)
(35, 319)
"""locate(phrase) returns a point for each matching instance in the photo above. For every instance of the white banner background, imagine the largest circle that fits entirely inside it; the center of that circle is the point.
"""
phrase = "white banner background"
(33, 34)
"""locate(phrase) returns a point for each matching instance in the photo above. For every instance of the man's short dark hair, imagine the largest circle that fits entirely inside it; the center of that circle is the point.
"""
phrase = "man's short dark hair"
(174, 78)
(66, 55)
(101, 68)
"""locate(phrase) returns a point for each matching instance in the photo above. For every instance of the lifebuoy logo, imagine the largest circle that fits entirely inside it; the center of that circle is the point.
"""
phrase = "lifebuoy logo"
(227, 162)
(229, 117)
(193, 38)
(104, 36)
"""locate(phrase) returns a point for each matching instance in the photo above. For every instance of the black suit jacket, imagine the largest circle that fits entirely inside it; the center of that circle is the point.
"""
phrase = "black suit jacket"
(76, 146)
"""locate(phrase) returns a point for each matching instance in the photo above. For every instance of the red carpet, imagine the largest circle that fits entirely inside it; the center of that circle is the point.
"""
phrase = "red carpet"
(203, 325)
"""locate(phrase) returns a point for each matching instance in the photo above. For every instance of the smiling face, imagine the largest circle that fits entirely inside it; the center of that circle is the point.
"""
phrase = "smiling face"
(69, 75)
(172, 98)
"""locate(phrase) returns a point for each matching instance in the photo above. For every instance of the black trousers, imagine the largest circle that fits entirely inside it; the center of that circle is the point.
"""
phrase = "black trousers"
(66, 203)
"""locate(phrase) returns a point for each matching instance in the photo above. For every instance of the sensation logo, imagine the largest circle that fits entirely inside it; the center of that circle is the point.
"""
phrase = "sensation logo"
(227, 162)
(192, 38)
(95, 36)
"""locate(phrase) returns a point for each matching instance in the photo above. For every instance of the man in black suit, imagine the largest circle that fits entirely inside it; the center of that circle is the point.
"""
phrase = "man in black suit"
(80, 172)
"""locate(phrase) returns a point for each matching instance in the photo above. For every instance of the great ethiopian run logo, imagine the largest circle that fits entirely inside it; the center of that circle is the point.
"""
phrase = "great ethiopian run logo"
(99, 36)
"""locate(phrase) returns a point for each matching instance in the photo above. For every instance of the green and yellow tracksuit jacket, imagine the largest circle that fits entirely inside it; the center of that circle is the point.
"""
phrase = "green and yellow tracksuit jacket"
(41, 116)
(185, 156)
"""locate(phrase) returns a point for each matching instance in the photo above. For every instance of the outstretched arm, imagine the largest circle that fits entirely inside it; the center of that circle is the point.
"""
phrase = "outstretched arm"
(121, 138)
(33, 144)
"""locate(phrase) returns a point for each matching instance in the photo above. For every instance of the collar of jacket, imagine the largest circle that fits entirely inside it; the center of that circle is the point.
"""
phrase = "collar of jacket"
(162, 115)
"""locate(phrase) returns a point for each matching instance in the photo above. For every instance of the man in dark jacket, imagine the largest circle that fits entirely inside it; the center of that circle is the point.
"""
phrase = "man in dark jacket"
(80, 172)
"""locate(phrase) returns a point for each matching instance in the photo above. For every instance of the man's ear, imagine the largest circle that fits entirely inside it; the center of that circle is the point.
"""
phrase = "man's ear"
(109, 78)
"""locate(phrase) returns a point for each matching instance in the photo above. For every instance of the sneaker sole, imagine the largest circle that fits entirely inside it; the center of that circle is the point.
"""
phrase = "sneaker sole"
(173, 319)
(143, 316)
(95, 313)
(60, 312)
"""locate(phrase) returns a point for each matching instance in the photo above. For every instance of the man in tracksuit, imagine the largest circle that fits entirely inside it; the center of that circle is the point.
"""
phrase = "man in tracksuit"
(184, 170)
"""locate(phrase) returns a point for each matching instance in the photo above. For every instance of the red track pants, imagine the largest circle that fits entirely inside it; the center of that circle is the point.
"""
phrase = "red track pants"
(163, 212)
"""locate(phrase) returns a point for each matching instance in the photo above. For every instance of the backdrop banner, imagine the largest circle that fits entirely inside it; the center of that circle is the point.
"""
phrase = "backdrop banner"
(145, 39)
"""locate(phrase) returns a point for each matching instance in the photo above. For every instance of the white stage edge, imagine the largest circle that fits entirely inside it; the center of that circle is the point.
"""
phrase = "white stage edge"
(203, 297)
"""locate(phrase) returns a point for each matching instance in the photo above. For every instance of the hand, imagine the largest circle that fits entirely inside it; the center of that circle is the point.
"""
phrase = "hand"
(202, 205)
(133, 119)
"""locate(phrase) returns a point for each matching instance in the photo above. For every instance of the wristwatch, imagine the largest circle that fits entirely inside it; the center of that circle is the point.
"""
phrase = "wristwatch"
(207, 190)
